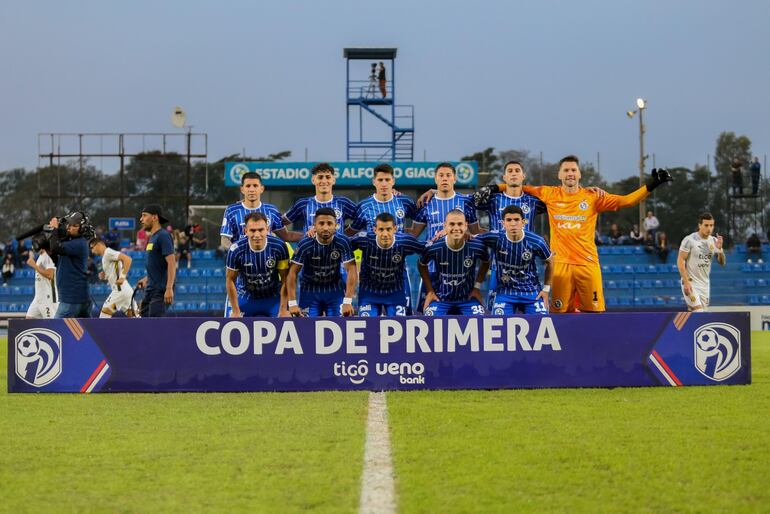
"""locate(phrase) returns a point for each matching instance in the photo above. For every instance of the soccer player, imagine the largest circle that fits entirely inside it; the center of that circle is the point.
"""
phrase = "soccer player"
(433, 213)
(257, 266)
(694, 262)
(321, 257)
(455, 286)
(45, 302)
(383, 200)
(115, 268)
(383, 268)
(514, 252)
(572, 213)
(495, 204)
(304, 209)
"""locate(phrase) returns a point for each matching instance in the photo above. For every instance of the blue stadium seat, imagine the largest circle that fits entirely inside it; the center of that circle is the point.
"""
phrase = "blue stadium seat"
(16, 291)
(603, 250)
(181, 289)
(28, 290)
(218, 273)
(611, 284)
(217, 306)
(616, 268)
(765, 299)
(208, 255)
(202, 306)
(605, 269)
(612, 301)
(207, 272)
(179, 306)
(659, 300)
(194, 272)
(193, 289)
(638, 250)
(745, 268)
(624, 301)
(658, 284)
(761, 282)
(182, 273)
(626, 250)
(616, 250)
(13, 307)
(741, 248)
(754, 299)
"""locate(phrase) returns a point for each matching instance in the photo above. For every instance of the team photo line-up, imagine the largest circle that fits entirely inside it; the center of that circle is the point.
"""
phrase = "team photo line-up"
(266, 277)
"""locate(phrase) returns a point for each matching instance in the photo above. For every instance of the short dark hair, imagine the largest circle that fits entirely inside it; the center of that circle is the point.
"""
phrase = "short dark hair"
(512, 162)
(385, 217)
(383, 168)
(322, 166)
(250, 175)
(705, 216)
(255, 216)
(456, 211)
(326, 211)
(569, 158)
(94, 241)
(513, 209)
(446, 165)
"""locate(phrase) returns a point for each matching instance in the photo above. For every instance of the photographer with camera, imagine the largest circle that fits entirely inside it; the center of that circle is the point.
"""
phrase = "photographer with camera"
(67, 243)
(161, 264)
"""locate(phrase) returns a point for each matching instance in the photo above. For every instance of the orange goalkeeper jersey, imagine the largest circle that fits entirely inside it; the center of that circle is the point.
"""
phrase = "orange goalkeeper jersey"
(573, 219)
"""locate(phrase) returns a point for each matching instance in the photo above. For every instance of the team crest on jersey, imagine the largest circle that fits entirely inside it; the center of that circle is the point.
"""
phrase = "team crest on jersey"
(338, 213)
(526, 255)
(270, 263)
(583, 205)
(525, 209)
(468, 262)
(396, 257)
(335, 254)
(400, 213)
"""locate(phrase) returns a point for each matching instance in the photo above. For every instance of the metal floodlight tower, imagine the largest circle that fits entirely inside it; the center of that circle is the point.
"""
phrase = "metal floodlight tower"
(641, 105)
(372, 108)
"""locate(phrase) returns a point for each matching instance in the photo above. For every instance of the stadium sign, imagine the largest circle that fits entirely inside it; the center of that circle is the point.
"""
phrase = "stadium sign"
(122, 223)
(304, 354)
(349, 173)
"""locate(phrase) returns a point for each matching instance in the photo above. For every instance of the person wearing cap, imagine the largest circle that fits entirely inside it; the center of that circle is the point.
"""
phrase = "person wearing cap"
(161, 264)
(71, 253)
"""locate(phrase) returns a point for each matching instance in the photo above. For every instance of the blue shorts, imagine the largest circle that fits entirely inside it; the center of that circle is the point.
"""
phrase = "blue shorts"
(508, 305)
(469, 307)
(321, 304)
(394, 304)
(268, 307)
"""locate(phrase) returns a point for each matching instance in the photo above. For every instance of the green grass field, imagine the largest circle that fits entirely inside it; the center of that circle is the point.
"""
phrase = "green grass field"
(694, 449)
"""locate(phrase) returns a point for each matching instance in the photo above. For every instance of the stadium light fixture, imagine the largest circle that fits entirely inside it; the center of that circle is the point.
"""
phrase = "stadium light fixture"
(641, 105)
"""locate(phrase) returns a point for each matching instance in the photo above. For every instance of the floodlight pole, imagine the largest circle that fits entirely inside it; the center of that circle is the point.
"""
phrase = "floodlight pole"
(642, 204)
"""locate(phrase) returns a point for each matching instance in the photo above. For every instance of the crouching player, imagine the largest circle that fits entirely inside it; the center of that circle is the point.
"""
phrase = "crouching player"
(256, 271)
(458, 287)
(514, 251)
(115, 267)
(321, 258)
(383, 268)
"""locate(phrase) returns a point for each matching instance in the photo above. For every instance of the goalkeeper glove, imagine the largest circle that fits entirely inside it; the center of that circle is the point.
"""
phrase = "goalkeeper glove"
(483, 195)
(658, 176)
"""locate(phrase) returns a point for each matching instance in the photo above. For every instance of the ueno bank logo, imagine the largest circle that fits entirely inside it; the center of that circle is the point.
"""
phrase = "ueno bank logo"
(407, 372)
(38, 356)
(717, 350)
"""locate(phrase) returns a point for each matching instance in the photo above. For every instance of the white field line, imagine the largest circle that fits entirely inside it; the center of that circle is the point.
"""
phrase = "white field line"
(378, 494)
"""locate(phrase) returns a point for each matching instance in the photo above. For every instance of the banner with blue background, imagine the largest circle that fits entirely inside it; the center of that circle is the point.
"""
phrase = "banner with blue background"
(360, 173)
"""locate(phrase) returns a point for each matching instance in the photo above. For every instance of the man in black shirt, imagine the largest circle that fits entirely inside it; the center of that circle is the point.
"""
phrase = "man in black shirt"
(161, 264)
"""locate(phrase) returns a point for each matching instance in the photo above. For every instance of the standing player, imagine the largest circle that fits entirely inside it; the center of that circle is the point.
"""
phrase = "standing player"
(304, 210)
(321, 258)
(694, 262)
(45, 302)
(383, 200)
(455, 286)
(256, 271)
(514, 251)
(572, 213)
(435, 210)
(383, 268)
(115, 266)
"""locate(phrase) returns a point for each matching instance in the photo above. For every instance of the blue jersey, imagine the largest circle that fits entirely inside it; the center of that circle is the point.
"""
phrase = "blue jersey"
(303, 211)
(400, 206)
(233, 221)
(529, 204)
(516, 272)
(434, 212)
(383, 269)
(321, 263)
(258, 275)
(455, 269)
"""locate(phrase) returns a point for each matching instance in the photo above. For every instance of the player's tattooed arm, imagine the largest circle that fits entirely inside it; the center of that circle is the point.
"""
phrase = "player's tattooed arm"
(232, 292)
(291, 290)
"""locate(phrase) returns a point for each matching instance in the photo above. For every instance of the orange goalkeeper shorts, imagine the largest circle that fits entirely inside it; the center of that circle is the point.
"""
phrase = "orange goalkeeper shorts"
(577, 286)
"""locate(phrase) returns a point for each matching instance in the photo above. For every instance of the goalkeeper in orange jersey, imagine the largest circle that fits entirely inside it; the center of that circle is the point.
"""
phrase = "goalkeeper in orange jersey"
(572, 213)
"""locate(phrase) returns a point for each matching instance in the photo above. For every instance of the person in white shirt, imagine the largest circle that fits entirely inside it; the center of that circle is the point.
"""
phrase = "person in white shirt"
(651, 224)
(694, 262)
(46, 301)
(115, 266)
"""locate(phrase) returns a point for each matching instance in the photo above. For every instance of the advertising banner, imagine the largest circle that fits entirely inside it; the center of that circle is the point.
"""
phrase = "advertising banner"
(122, 223)
(304, 354)
(349, 173)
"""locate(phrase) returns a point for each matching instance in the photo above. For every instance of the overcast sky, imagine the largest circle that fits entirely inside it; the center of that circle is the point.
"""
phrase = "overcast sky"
(547, 76)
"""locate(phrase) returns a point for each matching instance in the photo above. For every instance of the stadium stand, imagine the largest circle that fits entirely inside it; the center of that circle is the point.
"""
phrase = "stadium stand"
(632, 280)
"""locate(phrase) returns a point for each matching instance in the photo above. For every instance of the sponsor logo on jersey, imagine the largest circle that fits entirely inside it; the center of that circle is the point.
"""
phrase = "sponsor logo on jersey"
(38, 356)
(717, 349)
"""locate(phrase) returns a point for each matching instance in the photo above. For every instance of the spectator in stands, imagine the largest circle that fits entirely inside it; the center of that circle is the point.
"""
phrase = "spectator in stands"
(662, 247)
(649, 243)
(755, 169)
(651, 224)
(198, 238)
(737, 173)
(598, 238)
(754, 247)
(112, 239)
(615, 236)
(8, 269)
(182, 245)
(141, 239)
(635, 237)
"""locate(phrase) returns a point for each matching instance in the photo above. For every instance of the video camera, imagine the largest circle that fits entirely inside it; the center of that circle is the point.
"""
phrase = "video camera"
(41, 235)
